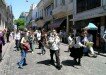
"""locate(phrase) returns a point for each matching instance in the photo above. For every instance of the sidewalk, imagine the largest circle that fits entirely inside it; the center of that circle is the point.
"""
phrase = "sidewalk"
(5, 54)
(6, 47)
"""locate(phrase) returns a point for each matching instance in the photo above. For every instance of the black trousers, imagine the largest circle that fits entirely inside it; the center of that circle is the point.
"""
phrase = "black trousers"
(8, 39)
(0, 52)
(17, 42)
(56, 52)
(0, 48)
(40, 44)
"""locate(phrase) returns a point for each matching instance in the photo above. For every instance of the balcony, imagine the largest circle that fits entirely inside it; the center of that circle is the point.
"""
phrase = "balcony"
(59, 11)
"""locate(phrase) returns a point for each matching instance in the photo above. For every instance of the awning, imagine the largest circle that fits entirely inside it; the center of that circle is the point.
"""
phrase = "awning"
(56, 23)
(46, 24)
(78, 26)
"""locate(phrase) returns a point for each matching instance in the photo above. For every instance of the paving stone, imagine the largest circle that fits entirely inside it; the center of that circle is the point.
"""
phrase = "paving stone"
(39, 65)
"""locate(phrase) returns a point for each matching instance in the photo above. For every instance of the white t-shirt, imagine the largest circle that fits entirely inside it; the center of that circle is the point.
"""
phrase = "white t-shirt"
(39, 36)
(54, 43)
(17, 36)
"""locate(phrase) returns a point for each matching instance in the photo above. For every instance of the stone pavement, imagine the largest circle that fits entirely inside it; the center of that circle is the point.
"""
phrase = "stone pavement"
(39, 65)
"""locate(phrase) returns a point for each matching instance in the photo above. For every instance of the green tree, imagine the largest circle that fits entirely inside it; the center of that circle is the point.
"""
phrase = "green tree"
(20, 23)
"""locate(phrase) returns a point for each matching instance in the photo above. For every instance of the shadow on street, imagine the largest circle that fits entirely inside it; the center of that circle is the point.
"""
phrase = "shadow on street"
(45, 62)
(68, 63)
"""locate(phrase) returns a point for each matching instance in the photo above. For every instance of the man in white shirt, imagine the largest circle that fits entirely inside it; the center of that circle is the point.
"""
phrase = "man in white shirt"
(39, 38)
(17, 39)
(54, 42)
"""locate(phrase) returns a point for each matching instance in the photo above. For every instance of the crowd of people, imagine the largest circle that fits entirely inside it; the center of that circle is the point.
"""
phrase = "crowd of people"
(80, 44)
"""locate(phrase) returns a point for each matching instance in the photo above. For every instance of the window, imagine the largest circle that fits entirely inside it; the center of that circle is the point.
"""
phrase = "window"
(63, 2)
(83, 5)
(48, 10)
(36, 14)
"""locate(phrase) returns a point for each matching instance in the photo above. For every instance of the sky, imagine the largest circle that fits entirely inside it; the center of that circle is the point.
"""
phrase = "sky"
(20, 6)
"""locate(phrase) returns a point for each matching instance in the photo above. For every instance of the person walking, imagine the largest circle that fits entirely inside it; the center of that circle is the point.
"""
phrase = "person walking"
(7, 35)
(54, 42)
(24, 48)
(77, 49)
(39, 38)
(17, 39)
(31, 40)
(2, 42)
(43, 41)
(70, 42)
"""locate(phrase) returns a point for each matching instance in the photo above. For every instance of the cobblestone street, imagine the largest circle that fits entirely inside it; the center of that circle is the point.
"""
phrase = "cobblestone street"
(39, 64)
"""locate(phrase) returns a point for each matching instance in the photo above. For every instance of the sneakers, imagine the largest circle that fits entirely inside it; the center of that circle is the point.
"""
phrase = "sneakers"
(25, 64)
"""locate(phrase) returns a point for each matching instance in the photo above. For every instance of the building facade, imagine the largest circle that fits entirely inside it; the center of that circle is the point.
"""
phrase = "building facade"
(3, 14)
(63, 9)
(90, 11)
(30, 16)
(10, 17)
(6, 15)
(40, 14)
(85, 12)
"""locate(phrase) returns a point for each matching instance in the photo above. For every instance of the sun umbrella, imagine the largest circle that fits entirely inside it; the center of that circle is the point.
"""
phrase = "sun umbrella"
(91, 26)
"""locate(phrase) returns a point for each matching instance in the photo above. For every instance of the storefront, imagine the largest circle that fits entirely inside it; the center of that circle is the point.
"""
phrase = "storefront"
(58, 24)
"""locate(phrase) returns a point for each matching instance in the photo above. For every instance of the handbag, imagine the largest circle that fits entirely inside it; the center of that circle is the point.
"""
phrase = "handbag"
(26, 46)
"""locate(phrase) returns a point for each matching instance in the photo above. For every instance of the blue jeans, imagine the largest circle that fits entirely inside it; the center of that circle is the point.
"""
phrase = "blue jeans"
(31, 46)
(23, 58)
(43, 50)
